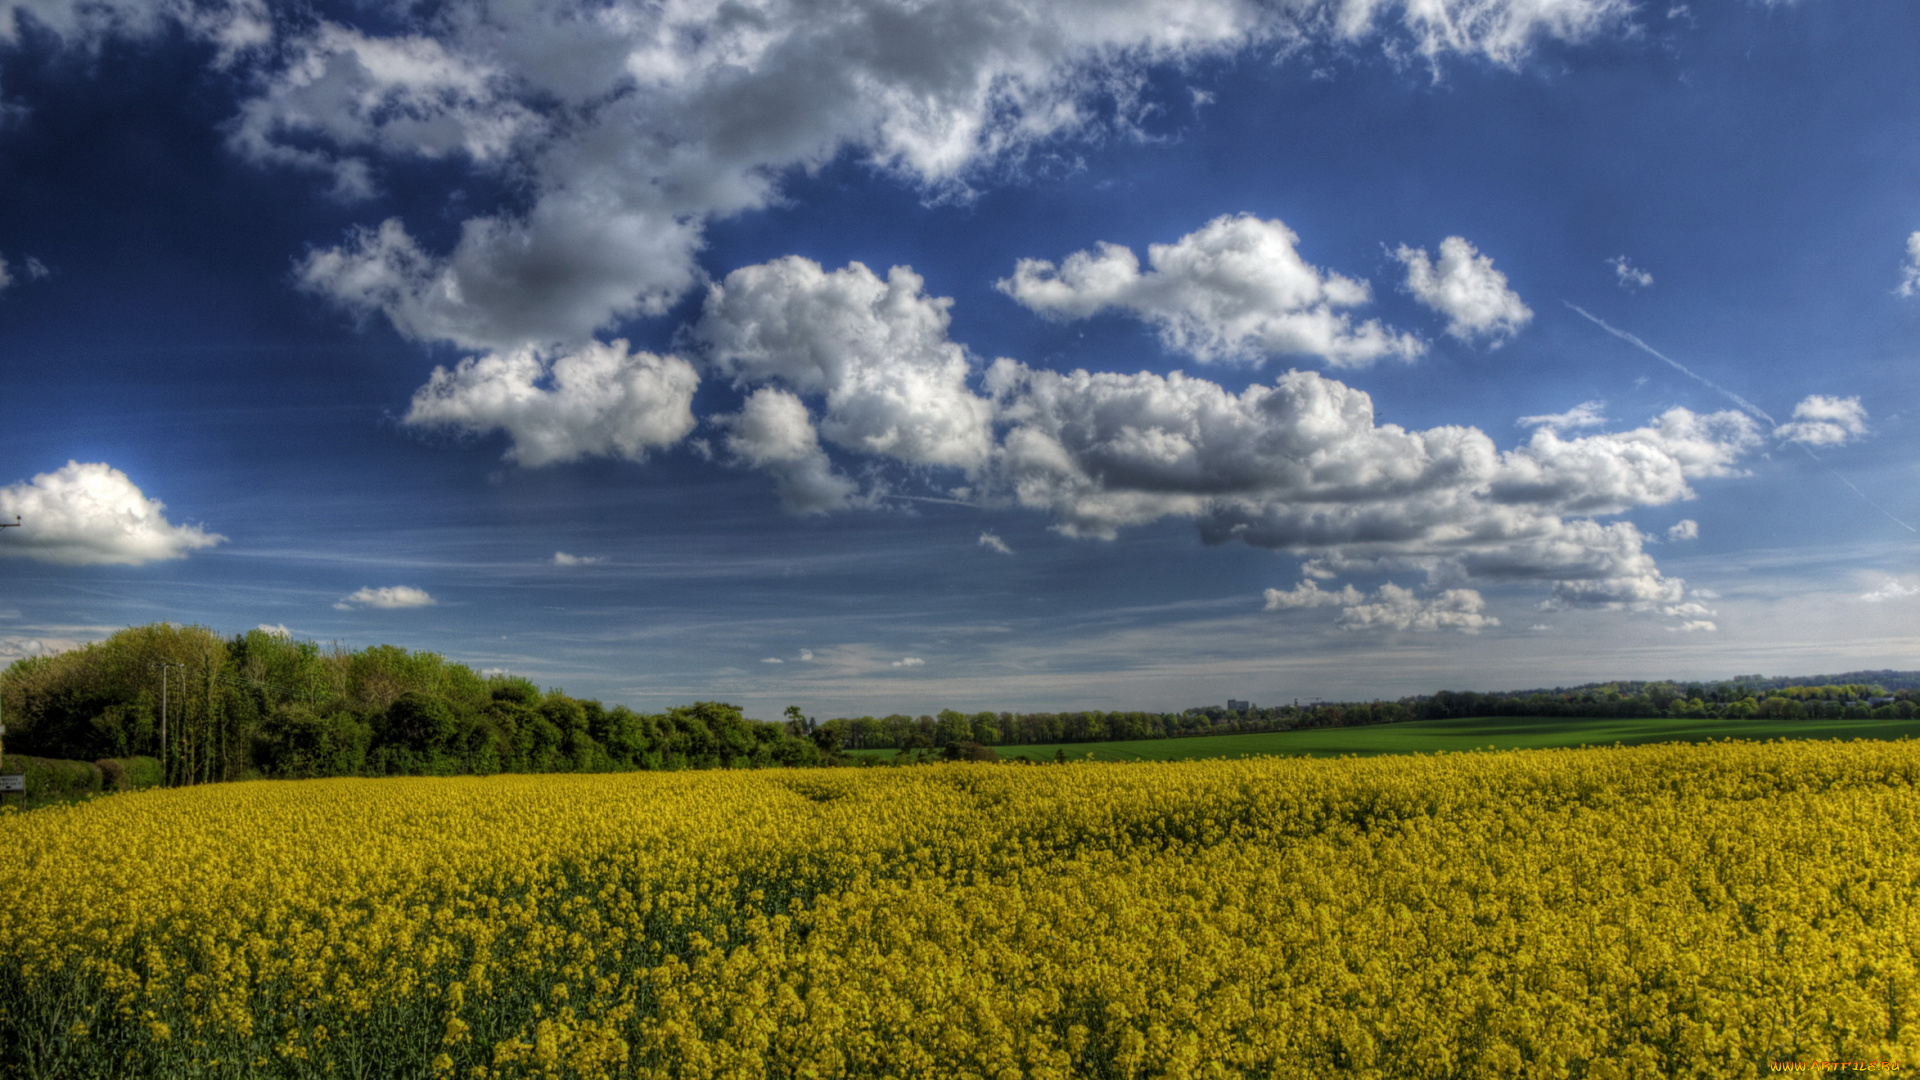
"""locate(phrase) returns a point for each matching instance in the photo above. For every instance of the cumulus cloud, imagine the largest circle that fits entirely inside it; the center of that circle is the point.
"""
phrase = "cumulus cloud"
(386, 597)
(1910, 273)
(1584, 415)
(1302, 466)
(599, 400)
(1684, 529)
(630, 126)
(771, 660)
(994, 543)
(1390, 607)
(561, 558)
(909, 661)
(1891, 589)
(19, 647)
(1629, 276)
(1236, 289)
(773, 432)
(406, 94)
(86, 514)
(1465, 288)
(1309, 594)
(806, 654)
(1820, 420)
(278, 630)
(875, 351)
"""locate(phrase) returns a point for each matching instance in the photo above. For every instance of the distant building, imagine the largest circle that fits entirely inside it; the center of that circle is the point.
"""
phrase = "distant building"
(1238, 706)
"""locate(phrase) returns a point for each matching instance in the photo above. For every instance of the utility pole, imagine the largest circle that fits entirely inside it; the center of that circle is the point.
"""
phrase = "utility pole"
(163, 716)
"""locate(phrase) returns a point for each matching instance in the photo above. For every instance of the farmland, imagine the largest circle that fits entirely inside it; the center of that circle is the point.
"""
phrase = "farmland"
(1691, 911)
(1433, 736)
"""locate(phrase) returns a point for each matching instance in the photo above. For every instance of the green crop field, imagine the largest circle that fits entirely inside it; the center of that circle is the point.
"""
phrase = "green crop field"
(1477, 733)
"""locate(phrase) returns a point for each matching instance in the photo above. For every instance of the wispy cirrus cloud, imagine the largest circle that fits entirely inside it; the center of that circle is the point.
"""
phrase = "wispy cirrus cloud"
(1629, 276)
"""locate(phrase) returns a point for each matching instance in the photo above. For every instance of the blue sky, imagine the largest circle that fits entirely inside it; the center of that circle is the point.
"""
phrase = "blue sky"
(878, 357)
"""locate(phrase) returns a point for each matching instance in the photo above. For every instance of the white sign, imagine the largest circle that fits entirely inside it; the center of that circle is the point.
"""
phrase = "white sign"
(13, 783)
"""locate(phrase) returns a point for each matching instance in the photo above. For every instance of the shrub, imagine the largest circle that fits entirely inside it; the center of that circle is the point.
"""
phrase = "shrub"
(53, 777)
(129, 774)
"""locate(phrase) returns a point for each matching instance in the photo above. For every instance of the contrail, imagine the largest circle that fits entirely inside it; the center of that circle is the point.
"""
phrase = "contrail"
(1733, 397)
(1862, 494)
(1677, 365)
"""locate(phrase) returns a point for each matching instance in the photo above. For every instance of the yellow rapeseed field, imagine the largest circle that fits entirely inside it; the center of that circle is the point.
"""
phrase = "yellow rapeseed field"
(1664, 911)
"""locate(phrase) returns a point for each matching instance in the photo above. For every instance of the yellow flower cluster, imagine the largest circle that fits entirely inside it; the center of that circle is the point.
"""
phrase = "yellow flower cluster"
(1667, 911)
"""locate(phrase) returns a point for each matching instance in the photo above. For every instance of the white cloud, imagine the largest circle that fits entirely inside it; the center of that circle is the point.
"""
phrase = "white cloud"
(1309, 594)
(1236, 289)
(993, 543)
(278, 630)
(85, 514)
(17, 647)
(1395, 608)
(1910, 273)
(876, 351)
(1629, 276)
(1610, 472)
(407, 94)
(1539, 627)
(1584, 415)
(34, 268)
(1694, 626)
(1465, 288)
(599, 400)
(630, 126)
(773, 432)
(771, 660)
(232, 26)
(1684, 529)
(561, 558)
(1302, 466)
(806, 654)
(386, 597)
(909, 661)
(1391, 607)
(1891, 589)
(1820, 420)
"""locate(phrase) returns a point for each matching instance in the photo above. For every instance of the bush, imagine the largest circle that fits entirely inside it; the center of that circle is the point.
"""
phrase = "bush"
(130, 774)
(969, 751)
(53, 778)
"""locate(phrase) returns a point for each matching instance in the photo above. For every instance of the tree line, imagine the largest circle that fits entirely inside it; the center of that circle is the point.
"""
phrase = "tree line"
(260, 704)
(1731, 699)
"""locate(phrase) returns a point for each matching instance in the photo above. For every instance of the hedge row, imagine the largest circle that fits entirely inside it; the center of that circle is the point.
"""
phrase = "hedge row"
(56, 778)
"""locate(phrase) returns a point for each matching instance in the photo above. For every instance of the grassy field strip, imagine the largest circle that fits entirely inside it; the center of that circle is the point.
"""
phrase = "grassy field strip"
(1477, 733)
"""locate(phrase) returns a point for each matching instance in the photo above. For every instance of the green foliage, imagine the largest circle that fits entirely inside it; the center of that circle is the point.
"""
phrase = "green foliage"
(54, 777)
(1456, 736)
(262, 704)
(129, 774)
